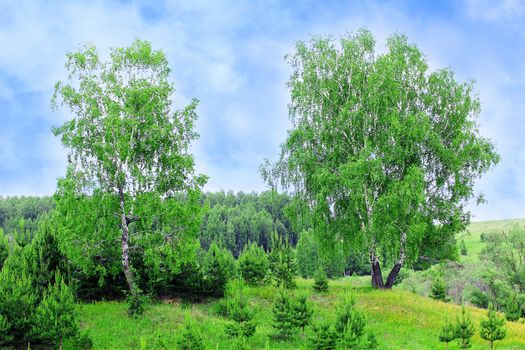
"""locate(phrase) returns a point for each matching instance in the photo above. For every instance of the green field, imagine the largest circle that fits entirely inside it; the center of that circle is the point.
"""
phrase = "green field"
(402, 320)
(472, 235)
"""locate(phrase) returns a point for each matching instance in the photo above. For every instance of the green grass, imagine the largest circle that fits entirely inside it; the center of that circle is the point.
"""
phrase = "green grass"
(473, 233)
(401, 320)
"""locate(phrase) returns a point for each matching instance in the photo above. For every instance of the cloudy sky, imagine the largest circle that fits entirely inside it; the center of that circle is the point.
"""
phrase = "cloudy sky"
(229, 55)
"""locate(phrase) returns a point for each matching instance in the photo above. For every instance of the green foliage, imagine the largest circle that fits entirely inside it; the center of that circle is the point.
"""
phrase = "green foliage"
(189, 337)
(129, 148)
(284, 322)
(493, 327)
(82, 341)
(350, 325)
(18, 298)
(512, 308)
(282, 263)
(56, 316)
(5, 337)
(438, 290)
(306, 253)
(464, 329)
(302, 313)
(463, 248)
(219, 267)
(321, 281)
(136, 303)
(447, 333)
(386, 172)
(324, 338)
(4, 248)
(253, 264)
(237, 308)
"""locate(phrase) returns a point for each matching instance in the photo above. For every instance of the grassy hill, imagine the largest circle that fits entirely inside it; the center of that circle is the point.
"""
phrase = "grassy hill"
(401, 320)
(473, 233)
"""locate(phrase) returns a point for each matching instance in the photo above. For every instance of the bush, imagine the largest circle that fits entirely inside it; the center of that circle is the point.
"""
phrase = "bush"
(136, 302)
(238, 310)
(448, 333)
(321, 281)
(350, 324)
(81, 342)
(253, 264)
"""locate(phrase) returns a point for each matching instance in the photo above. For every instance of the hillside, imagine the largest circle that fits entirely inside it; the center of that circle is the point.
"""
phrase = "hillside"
(401, 320)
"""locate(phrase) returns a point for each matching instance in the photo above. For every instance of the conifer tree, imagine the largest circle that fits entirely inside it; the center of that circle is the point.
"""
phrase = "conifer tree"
(302, 313)
(438, 290)
(321, 281)
(324, 338)
(283, 316)
(493, 327)
(463, 248)
(464, 329)
(189, 338)
(243, 326)
(57, 315)
(253, 264)
(282, 263)
(448, 333)
(350, 324)
(5, 337)
(512, 309)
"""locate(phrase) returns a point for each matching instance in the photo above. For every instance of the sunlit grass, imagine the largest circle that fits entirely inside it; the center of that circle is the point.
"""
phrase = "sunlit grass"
(401, 320)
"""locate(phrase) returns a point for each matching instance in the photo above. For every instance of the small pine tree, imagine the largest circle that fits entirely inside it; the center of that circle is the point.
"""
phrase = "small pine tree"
(253, 264)
(5, 337)
(448, 333)
(463, 248)
(238, 310)
(324, 338)
(321, 281)
(302, 313)
(350, 324)
(493, 327)
(512, 309)
(371, 341)
(283, 316)
(464, 329)
(282, 263)
(438, 290)
(57, 315)
(189, 337)
(219, 267)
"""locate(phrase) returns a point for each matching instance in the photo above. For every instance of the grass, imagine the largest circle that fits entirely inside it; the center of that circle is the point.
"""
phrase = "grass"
(472, 235)
(401, 320)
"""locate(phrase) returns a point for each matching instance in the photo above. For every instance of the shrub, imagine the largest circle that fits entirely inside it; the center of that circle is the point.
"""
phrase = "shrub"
(324, 338)
(438, 290)
(136, 302)
(57, 316)
(238, 310)
(493, 327)
(321, 281)
(253, 264)
(464, 329)
(302, 313)
(81, 342)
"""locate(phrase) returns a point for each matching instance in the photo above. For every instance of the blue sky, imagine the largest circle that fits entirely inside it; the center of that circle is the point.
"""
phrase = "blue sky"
(229, 55)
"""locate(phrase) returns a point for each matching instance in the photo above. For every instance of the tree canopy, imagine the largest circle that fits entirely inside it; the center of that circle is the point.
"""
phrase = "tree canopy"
(382, 152)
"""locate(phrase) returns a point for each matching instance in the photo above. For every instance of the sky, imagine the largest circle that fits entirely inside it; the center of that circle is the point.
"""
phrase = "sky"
(230, 55)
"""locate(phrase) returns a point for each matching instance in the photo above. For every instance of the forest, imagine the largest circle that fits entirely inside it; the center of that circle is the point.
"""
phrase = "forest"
(363, 239)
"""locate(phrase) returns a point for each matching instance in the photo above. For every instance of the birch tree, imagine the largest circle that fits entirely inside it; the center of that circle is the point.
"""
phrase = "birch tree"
(383, 152)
